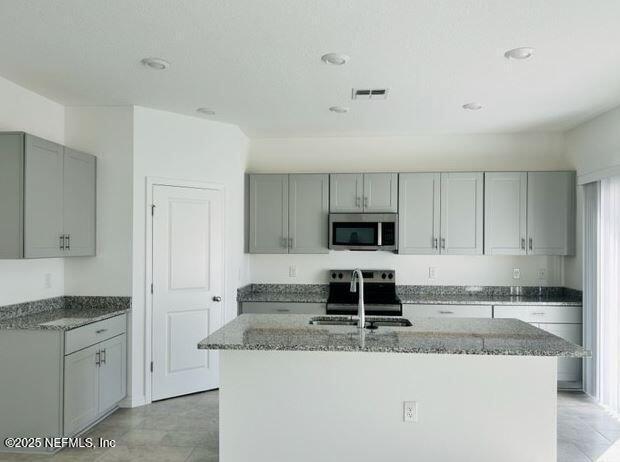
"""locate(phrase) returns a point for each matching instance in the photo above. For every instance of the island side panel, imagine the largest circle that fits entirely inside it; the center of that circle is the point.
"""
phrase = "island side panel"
(280, 406)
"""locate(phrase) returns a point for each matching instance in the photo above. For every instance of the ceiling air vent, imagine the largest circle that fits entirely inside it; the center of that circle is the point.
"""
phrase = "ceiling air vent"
(373, 93)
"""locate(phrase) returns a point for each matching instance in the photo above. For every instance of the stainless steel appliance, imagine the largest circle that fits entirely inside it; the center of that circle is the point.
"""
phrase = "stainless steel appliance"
(363, 231)
(379, 293)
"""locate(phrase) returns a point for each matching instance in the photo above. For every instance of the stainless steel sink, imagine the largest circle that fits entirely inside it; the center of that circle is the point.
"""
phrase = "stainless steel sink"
(372, 322)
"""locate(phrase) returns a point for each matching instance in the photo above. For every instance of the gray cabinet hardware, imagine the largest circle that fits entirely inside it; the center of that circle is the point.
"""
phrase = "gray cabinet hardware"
(98, 358)
(443, 242)
(365, 201)
(523, 243)
(290, 242)
(102, 356)
(62, 242)
(445, 312)
(283, 310)
(68, 241)
(531, 243)
(358, 201)
(100, 331)
(217, 298)
(435, 243)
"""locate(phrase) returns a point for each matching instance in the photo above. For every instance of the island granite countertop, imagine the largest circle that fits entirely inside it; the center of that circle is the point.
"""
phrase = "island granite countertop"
(419, 295)
(62, 313)
(431, 336)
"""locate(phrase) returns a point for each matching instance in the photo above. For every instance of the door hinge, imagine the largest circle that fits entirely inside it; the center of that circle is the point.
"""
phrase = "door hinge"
(151, 287)
(151, 366)
(152, 209)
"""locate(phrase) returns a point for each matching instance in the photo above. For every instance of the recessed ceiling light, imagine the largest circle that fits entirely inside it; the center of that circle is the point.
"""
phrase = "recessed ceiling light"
(339, 109)
(337, 59)
(473, 106)
(519, 53)
(205, 111)
(157, 64)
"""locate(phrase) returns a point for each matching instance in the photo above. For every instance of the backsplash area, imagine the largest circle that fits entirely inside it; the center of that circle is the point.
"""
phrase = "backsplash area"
(455, 270)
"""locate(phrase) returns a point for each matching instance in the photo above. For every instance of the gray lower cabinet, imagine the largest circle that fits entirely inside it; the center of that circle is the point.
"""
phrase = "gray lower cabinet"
(283, 308)
(563, 321)
(419, 213)
(288, 213)
(47, 194)
(363, 192)
(56, 383)
(551, 213)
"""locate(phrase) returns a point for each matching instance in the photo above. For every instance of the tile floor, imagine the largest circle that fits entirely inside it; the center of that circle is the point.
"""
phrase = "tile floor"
(185, 429)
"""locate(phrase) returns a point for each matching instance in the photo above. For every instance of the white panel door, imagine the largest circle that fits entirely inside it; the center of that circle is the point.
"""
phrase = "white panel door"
(418, 213)
(461, 213)
(187, 288)
(505, 213)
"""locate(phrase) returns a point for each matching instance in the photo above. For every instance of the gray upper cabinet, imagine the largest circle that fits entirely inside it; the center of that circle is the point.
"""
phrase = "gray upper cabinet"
(43, 207)
(308, 213)
(289, 213)
(462, 213)
(551, 213)
(380, 192)
(346, 192)
(47, 195)
(268, 214)
(419, 213)
(505, 213)
(363, 192)
(79, 203)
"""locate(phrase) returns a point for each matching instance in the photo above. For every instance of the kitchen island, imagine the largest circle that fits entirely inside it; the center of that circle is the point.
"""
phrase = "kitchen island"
(484, 390)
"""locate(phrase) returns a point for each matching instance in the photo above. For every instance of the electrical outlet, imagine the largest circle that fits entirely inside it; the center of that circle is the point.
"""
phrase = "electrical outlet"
(432, 272)
(516, 273)
(542, 274)
(48, 280)
(410, 411)
(292, 271)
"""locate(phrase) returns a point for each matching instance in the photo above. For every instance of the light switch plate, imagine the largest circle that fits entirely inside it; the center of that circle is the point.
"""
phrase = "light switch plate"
(292, 271)
(516, 273)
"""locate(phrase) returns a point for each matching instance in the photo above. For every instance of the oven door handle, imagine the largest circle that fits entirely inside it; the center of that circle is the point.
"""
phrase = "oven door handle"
(379, 234)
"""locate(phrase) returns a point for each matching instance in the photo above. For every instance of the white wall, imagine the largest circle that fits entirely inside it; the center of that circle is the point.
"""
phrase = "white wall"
(591, 148)
(23, 110)
(172, 146)
(106, 132)
(542, 151)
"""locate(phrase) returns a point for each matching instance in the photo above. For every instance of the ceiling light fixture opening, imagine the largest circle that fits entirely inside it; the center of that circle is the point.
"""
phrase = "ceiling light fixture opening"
(473, 106)
(519, 53)
(157, 64)
(337, 59)
(339, 109)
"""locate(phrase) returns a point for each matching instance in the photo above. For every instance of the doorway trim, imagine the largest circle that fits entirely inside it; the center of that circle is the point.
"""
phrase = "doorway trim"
(151, 182)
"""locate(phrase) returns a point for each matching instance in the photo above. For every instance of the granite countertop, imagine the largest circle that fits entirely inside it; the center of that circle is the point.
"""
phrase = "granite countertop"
(62, 313)
(431, 336)
(421, 295)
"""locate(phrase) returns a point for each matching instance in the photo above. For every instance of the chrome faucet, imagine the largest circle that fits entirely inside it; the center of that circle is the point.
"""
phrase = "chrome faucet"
(357, 277)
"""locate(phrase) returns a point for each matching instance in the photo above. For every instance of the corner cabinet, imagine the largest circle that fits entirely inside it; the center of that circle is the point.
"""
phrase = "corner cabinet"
(47, 199)
(441, 213)
(71, 380)
(288, 213)
(529, 213)
(363, 192)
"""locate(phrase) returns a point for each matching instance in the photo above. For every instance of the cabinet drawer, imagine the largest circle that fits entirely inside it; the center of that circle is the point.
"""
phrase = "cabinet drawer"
(447, 311)
(540, 313)
(282, 308)
(96, 332)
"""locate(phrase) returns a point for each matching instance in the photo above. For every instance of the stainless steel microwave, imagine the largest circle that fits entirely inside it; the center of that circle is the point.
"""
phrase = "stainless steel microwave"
(363, 231)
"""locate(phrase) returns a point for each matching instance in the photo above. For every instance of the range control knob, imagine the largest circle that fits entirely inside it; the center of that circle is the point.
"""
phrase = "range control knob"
(383, 276)
(333, 275)
(391, 276)
(340, 275)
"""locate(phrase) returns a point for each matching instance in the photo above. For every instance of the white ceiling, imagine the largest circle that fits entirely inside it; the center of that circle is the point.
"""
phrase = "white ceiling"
(257, 63)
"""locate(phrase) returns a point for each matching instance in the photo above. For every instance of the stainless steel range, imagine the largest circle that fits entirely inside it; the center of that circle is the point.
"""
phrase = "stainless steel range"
(379, 293)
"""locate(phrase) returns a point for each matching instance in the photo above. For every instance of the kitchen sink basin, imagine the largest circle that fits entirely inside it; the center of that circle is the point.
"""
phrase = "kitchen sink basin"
(372, 322)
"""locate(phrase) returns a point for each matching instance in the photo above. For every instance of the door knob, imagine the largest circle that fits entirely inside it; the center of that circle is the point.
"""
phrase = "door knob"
(217, 298)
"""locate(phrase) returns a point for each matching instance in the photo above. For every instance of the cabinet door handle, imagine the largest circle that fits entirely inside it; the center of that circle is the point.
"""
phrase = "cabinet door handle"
(435, 243)
(523, 243)
(282, 310)
(539, 313)
(100, 331)
(365, 201)
(98, 358)
(443, 242)
(446, 312)
(67, 241)
(290, 242)
(62, 242)
(358, 201)
(217, 298)
(103, 356)
(531, 243)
